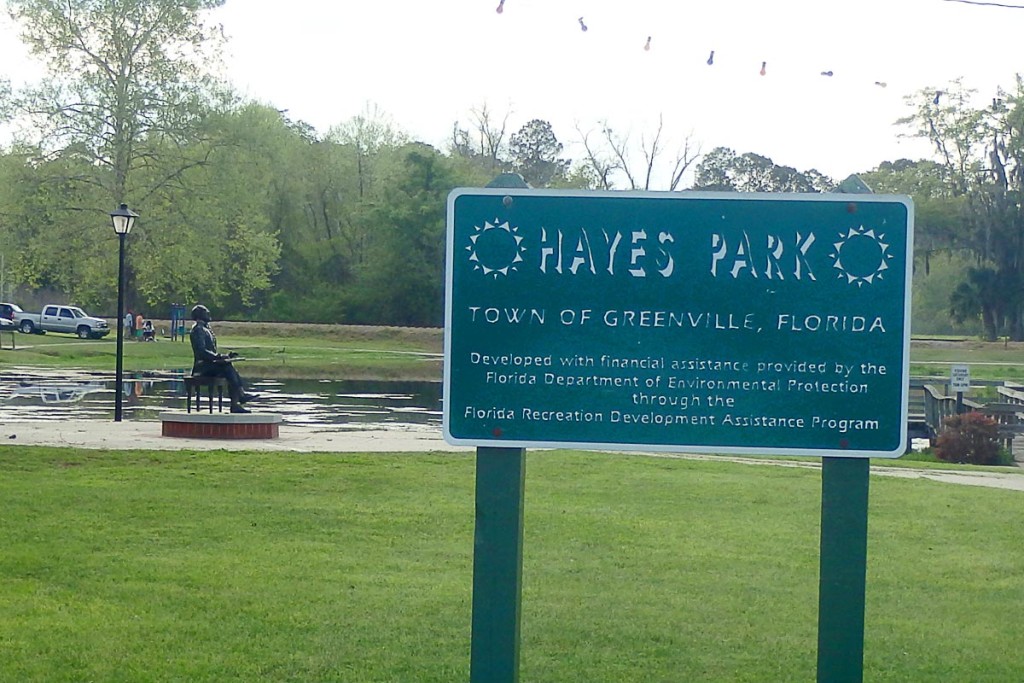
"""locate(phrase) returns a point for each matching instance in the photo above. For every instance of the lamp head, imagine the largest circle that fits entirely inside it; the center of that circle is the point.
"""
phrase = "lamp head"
(123, 219)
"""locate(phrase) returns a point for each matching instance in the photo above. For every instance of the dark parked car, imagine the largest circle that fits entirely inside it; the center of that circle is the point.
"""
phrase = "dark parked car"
(8, 312)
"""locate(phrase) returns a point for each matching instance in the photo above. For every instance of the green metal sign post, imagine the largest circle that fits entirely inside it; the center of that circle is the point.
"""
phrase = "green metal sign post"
(843, 570)
(497, 565)
(498, 551)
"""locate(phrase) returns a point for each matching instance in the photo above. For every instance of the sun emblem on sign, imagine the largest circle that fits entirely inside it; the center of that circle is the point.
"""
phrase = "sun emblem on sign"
(861, 256)
(496, 248)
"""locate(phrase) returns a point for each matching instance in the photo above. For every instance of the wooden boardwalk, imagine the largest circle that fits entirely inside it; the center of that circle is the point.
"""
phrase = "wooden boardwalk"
(930, 403)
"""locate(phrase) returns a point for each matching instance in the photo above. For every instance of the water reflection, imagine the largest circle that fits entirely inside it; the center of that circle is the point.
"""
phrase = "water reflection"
(38, 394)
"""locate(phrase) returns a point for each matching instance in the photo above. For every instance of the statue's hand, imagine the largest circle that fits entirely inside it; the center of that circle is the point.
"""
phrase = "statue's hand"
(232, 354)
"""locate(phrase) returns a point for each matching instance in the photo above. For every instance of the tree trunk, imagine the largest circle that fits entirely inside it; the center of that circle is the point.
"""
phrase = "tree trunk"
(988, 322)
(1016, 325)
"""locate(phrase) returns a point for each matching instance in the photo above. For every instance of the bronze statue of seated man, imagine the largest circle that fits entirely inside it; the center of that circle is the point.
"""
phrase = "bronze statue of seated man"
(208, 362)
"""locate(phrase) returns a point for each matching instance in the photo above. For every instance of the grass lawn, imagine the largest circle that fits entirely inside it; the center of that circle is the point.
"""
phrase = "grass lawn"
(217, 566)
(988, 360)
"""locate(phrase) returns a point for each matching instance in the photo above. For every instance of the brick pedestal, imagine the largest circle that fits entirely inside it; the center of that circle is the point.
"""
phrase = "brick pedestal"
(220, 425)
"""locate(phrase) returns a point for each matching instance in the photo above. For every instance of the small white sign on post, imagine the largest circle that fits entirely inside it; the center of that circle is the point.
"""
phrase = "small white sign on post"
(959, 378)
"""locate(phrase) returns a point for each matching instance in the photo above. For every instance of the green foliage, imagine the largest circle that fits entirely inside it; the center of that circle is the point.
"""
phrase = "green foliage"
(49, 240)
(946, 118)
(949, 293)
(121, 116)
(932, 289)
(981, 156)
(534, 150)
(580, 177)
(261, 217)
(939, 221)
(723, 170)
(318, 302)
(926, 455)
(982, 292)
(6, 102)
(971, 438)
(481, 151)
(123, 77)
(401, 282)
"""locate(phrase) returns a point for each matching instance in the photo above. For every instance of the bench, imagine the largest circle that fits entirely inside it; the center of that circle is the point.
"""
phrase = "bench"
(195, 384)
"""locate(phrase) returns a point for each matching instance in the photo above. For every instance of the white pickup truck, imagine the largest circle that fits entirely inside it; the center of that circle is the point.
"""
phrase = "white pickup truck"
(56, 318)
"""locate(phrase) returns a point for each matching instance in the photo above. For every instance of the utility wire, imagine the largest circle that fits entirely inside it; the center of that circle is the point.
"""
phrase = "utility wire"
(986, 4)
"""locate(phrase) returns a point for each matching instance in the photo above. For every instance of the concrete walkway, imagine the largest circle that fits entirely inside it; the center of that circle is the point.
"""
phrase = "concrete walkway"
(142, 435)
(403, 438)
(1013, 481)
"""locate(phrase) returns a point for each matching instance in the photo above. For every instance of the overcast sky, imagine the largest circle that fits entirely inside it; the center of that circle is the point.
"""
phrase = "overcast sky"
(428, 63)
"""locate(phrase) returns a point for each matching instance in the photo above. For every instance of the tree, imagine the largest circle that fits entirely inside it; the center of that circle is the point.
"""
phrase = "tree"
(122, 109)
(723, 170)
(483, 147)
(5, 99)
(212, 235)
(956, 129)
(600, 164)
(367, 134)
(937, 208)
(980, 293)
(982, 156)
(941, 253)
(33, 226)
(611, 155)
(328, 194)
(123, 76)
(534, 150)
(933, 296)
(401, 282)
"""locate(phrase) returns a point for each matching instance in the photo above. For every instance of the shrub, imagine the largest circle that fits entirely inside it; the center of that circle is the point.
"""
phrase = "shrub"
(970, 438)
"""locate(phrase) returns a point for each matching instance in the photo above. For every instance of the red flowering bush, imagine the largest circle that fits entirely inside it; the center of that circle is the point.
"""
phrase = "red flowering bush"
(970, 438)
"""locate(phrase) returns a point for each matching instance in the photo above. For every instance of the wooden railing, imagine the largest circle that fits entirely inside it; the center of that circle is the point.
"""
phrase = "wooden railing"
(1012, 393)
(938, 406)
(1008, 412)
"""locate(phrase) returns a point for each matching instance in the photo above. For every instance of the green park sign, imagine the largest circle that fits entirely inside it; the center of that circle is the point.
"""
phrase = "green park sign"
(701, 322)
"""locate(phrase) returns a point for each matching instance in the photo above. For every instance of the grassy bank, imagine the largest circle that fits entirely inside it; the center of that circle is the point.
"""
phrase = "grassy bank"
(271, 350)
(359, 352)
(989, 360)
(215, 566)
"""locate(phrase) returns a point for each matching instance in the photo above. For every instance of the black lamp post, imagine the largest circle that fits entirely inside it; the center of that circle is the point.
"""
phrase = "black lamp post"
(123, 220)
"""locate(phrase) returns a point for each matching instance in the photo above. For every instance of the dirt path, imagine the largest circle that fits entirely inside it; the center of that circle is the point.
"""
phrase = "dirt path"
(1012, 481)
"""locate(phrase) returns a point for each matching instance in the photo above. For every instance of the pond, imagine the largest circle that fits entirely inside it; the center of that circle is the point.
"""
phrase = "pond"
(46, 394)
